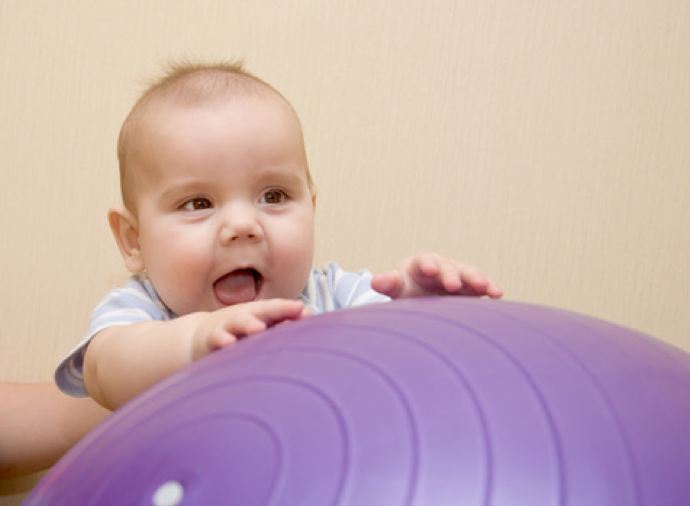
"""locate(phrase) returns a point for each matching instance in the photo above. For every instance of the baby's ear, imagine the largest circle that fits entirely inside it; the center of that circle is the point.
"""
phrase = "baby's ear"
(123, 224)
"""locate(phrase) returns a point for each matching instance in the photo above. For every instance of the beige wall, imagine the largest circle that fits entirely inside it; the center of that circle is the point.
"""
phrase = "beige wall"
(544, 141)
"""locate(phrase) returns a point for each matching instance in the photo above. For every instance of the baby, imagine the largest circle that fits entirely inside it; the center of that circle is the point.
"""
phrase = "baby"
(217, 228)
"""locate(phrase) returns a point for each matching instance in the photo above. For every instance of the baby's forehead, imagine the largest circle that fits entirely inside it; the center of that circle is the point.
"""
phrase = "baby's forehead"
(196, 131)
(162, 109)
(195, 88)
(205, 90)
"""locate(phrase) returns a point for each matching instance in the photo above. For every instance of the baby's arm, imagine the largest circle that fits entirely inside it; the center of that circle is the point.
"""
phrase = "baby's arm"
(38, 424)
(431, 274)
(122, 361)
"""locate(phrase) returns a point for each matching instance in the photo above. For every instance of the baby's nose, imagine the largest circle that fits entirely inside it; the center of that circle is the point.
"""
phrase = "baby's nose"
(240, 223)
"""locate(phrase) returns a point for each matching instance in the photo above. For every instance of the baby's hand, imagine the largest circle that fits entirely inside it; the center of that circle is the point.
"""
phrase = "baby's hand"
(225, 326)
(431, 274)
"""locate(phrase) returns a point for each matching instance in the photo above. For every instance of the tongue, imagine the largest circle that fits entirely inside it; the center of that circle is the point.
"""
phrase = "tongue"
(236, 287)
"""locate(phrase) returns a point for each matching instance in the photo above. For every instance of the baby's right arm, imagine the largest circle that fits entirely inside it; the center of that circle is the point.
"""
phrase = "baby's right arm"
(122, 361)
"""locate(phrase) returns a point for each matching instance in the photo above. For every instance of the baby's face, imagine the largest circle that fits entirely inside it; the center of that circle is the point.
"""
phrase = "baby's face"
(224, 210)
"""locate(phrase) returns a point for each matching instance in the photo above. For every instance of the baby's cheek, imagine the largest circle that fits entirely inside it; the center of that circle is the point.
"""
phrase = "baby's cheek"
(183, 285)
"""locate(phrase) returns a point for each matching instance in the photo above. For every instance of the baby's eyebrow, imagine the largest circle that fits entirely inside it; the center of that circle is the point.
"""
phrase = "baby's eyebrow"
(181, 189)
(280, 176)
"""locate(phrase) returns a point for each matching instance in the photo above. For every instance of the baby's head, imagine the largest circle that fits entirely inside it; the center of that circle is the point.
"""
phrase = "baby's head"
(218, 199)
(188, 85)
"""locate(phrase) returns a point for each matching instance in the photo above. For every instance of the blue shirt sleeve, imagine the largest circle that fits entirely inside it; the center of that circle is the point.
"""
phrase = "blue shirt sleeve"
(134, 302)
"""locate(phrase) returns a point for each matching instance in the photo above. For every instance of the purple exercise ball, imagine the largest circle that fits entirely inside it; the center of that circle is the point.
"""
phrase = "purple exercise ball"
(428, 402)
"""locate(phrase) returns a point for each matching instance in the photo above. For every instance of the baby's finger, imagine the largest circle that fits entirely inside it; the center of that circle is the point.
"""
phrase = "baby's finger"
(436, 274)
(494, 291)
(244, 324)
(474, 282)
(389, 283)
(272, 311)
(306, 312)
(426, 265)
(450, 277)
(220, 338)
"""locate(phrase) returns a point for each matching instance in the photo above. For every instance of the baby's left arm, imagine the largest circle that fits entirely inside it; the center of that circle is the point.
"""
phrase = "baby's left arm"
(431, 274)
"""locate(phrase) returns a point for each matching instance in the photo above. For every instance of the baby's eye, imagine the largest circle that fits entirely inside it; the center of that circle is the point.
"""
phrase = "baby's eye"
(274, 197)
(196, 204)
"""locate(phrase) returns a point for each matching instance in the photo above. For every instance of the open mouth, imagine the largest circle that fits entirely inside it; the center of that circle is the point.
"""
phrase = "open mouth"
(240, 285)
